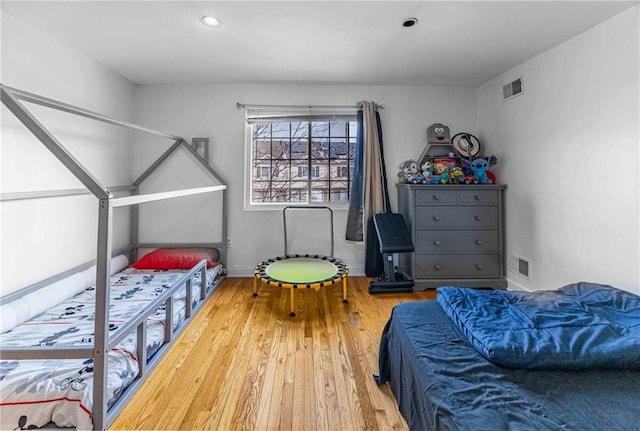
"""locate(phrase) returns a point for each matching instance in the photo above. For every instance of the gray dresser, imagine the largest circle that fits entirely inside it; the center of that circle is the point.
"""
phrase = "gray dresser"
(458, 234)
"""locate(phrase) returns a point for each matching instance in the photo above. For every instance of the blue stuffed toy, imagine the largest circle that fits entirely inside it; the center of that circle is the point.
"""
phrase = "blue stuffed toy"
(479, 167)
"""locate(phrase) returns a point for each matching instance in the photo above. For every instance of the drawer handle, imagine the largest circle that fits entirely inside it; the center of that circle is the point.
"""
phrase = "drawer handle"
(478, 267)
(436, 198)
(436, 218)
(478, 197)
(437, 267)
(436, 242)
(476, 218)
(479, 242)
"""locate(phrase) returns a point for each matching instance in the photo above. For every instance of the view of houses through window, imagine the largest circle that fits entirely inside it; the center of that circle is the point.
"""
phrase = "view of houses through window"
(294, 161)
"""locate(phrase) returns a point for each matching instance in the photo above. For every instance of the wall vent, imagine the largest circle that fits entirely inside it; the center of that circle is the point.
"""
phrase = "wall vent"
(512, 89)
(520, 266)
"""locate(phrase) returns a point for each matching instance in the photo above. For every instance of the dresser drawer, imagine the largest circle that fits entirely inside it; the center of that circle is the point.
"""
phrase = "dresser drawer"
(478, 197)
(474, 241)
(457, 266)
(435, 217)
(436, 197)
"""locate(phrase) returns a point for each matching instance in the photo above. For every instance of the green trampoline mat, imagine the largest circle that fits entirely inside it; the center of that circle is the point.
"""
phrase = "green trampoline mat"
(301, 270)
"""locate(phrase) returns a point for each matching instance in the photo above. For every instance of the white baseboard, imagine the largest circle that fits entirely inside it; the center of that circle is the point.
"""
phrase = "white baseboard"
(240, 271)
(356, 270)
(514, 285)
(248, 271)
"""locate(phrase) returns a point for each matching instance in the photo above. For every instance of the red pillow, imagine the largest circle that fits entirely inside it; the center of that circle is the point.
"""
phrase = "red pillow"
(177, 258)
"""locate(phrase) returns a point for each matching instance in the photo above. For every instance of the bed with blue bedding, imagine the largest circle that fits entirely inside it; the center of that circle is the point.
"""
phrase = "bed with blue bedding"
(567, 359)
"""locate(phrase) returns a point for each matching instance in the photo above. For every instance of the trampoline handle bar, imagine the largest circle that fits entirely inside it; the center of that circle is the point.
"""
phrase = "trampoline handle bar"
(305, 207)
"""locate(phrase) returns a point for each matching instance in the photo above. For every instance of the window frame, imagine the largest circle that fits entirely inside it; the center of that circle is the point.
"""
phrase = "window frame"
(317, 171)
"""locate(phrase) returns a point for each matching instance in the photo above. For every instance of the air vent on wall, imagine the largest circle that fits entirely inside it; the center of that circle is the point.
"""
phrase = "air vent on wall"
(512, 89)
(520, 266)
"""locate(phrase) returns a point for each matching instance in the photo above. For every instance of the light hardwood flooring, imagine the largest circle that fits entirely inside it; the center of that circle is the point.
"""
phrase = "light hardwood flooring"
(244, 364)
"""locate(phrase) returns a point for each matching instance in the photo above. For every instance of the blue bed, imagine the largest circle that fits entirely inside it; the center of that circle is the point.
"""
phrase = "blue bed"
(441, 382)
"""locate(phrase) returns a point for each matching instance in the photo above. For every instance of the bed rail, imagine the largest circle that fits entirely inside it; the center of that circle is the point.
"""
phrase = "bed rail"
(60, 352)
(122, 332)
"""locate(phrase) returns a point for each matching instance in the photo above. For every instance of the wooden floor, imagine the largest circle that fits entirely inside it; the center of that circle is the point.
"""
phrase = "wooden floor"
(244, 364)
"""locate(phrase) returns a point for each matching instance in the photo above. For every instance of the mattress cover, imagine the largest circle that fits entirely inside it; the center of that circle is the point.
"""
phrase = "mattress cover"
(442, 383)
(36, 392)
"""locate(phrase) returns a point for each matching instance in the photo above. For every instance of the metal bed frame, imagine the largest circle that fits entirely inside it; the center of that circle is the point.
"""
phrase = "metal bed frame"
(103, 341)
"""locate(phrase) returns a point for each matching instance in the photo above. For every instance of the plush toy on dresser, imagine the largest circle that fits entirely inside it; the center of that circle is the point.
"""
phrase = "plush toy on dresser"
(456, 175)
(408, 170)
(440, 173)
(427, 170)
(480, 169)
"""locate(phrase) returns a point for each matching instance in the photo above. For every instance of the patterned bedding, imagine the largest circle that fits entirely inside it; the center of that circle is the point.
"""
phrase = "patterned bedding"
(36, 392)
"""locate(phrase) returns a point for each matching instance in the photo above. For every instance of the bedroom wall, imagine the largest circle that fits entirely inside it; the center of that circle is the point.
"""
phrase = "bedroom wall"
(42, 237)
(210, 111)
(568, 150)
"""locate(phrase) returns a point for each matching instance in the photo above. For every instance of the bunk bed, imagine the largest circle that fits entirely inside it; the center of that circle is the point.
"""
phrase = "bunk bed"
(565, 359)
(93, 350)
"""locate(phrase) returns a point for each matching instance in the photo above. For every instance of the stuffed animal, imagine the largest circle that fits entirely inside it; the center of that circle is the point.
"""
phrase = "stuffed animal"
(427, 170)
(480, 166)
(456, 175)
(408, 169)
(440, 173)
(418, 179)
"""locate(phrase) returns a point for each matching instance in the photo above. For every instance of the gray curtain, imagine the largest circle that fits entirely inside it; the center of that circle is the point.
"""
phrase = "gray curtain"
(367, 190)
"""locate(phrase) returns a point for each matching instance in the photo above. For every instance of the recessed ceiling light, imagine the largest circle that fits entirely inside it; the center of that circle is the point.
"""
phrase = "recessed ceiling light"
(409, 22)
(210, 21)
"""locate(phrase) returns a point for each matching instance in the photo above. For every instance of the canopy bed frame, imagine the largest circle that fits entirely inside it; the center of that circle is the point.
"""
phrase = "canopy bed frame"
(104, 341)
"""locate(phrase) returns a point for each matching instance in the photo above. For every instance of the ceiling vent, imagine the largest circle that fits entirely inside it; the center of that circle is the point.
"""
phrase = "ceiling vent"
(512, 89)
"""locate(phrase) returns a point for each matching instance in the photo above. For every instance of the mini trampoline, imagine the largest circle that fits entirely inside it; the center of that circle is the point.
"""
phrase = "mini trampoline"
(302, 271)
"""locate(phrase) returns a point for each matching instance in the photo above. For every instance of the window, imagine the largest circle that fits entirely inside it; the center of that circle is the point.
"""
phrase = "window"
(300, 159)
(303, 171)
(341, 196)
(263, 171)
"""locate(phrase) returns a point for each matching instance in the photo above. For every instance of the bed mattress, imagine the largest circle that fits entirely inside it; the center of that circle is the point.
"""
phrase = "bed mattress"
(36, 392)
(442, 383)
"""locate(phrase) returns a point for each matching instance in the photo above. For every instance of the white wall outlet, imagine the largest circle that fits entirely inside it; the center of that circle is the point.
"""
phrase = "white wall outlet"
(228, 242)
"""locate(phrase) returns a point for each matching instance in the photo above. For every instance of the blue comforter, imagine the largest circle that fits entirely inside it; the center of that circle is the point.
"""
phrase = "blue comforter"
(582, 325)
(441, 383)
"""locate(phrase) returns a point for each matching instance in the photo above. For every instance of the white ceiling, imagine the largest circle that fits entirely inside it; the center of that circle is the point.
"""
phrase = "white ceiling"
(346, 42)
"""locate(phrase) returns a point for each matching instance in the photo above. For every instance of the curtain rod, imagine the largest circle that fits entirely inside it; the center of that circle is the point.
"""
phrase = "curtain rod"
(253, 106)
